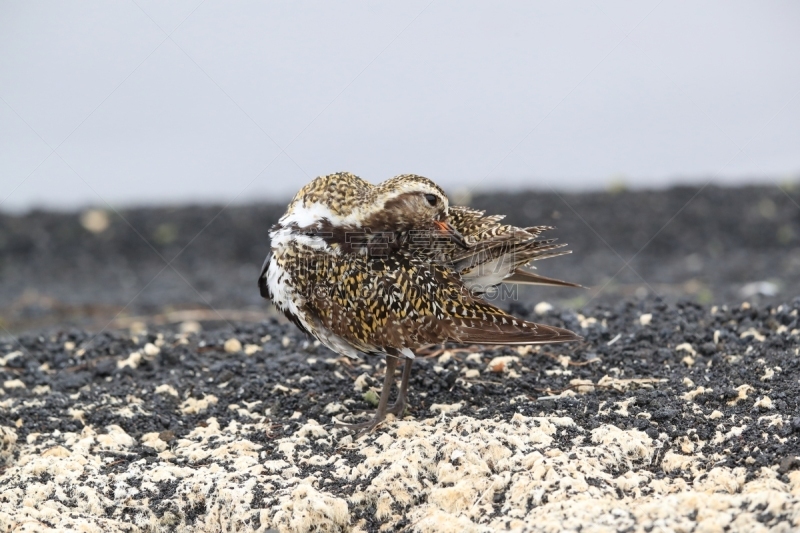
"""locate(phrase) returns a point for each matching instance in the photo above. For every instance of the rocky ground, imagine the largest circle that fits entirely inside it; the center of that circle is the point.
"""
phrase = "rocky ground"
(195, 408)
(665, 418)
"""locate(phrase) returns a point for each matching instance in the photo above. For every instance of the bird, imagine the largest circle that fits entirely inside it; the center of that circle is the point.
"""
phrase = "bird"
(390, 268)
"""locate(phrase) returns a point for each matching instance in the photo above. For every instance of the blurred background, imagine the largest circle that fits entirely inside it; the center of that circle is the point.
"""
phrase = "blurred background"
(146, 147)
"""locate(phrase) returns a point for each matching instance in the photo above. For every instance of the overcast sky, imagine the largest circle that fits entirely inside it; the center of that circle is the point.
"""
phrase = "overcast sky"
(151, 102)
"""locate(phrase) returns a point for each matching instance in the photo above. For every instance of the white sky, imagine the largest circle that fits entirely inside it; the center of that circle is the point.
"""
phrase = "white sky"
(249, 100)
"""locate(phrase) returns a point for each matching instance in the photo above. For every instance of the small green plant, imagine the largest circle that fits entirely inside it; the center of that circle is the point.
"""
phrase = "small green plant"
(371, 397)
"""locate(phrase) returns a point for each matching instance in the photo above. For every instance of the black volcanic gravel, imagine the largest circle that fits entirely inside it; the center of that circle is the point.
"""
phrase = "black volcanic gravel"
(621, 348)
(673, 371)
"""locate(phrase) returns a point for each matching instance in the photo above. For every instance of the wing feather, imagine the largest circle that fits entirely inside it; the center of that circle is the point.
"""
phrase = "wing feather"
(515, 335)
(498, 251)
(529, 278)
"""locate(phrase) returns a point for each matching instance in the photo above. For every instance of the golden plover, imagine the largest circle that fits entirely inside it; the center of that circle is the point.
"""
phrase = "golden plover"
(386, 269)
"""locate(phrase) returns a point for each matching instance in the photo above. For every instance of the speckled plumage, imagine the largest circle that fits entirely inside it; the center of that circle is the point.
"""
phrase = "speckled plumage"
(383, 269)
(497, 251)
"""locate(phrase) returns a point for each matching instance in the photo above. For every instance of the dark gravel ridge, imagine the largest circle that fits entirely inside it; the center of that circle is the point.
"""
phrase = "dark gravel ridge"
(706, 245)
(694, 361)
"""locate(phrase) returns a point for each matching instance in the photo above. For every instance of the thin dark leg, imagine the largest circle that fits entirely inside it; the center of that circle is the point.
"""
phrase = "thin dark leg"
(399, 405)
(380, 414)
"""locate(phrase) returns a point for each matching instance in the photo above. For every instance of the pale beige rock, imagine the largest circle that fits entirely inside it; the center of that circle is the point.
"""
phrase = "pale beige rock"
(764, 403)
(115, 438)
(250, 349)
(166, 389)
(192, 406)
(190, 326)
(132, 360)
(432, 475)
(13, 384)
(233, 346)
(754, 333)
(743, 391)
(686, 347)
(501, 363)
(151, 350)
(446, 409)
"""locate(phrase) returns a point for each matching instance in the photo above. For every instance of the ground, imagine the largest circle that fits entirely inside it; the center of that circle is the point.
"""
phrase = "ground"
(679, 411)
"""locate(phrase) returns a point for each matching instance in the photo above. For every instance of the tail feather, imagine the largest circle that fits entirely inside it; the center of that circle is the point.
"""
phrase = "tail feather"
(529, 278)
(511, 334)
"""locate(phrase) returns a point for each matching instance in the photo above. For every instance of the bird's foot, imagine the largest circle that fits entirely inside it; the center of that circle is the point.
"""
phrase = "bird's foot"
(362, 428)
(398, 409)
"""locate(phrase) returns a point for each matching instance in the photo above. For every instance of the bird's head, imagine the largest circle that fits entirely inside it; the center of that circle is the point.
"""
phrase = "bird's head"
(400, 204)
(412, 203)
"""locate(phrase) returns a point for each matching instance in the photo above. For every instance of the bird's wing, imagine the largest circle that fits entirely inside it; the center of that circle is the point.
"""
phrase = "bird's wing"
(472, 222)
(403, 301)
(498, 251)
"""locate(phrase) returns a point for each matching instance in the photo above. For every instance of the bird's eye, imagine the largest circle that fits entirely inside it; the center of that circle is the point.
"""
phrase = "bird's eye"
(432, 199)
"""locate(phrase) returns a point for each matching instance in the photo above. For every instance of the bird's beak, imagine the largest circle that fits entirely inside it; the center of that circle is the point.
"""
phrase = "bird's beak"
(452, 233)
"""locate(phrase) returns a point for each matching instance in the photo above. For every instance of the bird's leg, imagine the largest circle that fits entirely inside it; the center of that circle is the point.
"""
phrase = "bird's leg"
(399, 405)
(380, 414)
